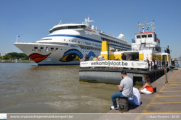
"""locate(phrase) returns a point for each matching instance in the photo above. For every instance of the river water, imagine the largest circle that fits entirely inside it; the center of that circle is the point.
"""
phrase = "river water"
(28, 88)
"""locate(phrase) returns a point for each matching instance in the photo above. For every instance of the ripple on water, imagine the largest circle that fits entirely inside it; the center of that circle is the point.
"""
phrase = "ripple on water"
(25, 87)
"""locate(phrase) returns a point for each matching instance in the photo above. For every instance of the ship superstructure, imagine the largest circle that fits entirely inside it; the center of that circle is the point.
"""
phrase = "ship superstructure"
(145, 47)
(67, 43)
(148, 45)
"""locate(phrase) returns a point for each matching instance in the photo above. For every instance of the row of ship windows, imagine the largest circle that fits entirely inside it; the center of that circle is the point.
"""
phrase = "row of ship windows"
(84, 43)
(144, 36)
(46, 49)
(85, 48)
(68, 27)
(88, 48)
(94, 52)
(98, 45)
(105, 39)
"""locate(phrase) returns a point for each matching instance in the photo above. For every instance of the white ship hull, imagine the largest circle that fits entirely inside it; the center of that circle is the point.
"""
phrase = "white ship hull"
(54, 57)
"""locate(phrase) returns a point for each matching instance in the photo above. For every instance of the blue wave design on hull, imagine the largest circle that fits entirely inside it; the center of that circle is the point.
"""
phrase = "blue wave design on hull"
(91, 54)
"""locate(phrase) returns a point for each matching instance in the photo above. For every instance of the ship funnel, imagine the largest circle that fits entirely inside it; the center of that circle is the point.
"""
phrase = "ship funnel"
(121, 36)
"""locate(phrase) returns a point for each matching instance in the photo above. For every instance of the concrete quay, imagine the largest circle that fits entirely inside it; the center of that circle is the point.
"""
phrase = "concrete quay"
(165, 104)
(167, 99)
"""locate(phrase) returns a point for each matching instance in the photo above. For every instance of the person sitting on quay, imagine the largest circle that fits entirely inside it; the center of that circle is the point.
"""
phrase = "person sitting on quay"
(125, 89)
(136, 98)
(147, 88)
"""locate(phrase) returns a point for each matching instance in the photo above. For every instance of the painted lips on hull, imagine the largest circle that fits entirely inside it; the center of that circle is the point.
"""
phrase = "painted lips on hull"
(38, 57)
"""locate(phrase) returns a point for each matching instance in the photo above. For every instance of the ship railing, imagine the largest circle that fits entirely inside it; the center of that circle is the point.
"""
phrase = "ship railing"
(106, 33)
(66, 23)
(25, 42)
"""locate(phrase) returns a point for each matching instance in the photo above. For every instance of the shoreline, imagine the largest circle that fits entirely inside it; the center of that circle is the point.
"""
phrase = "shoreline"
(17, 62)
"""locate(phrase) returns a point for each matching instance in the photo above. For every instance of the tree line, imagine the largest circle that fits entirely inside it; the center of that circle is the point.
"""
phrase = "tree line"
(14, 56)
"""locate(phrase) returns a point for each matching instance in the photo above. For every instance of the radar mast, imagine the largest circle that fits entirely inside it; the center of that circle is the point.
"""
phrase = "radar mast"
(87, 21)
(151, 23)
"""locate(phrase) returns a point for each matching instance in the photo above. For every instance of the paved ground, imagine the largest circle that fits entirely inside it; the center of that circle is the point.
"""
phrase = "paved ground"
(167, 99)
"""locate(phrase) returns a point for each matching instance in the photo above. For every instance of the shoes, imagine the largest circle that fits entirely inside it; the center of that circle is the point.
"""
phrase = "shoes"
(112, 108)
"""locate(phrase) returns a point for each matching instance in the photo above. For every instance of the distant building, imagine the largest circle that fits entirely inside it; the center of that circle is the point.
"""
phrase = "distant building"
(7, 53)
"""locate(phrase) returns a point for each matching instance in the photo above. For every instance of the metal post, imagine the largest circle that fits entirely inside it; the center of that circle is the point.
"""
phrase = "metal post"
(108, 51)
(166, 75)
(17, 38)
(165, 70)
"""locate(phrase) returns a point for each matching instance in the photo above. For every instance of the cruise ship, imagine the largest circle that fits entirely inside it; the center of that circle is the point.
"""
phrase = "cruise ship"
(67, 43)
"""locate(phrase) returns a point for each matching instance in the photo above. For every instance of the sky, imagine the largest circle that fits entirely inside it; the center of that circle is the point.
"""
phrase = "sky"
(32, 19)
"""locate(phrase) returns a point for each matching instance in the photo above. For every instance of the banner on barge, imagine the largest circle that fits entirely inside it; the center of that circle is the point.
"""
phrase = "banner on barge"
(114, 63)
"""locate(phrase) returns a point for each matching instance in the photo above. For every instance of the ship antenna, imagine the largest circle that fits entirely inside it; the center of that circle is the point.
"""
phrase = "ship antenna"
(152, 25)
(60, 21)
(88, 20)
(139, 25)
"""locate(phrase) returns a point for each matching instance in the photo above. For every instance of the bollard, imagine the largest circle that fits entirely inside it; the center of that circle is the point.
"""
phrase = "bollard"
(123, 104)
(165, 70)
